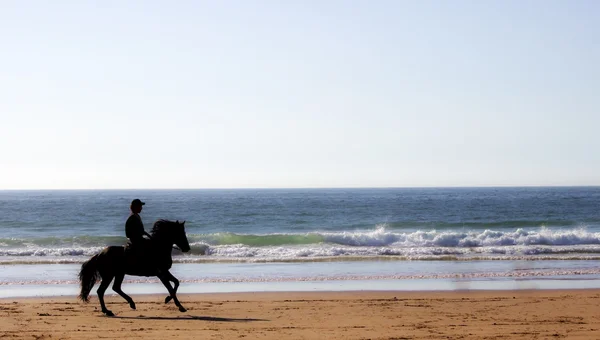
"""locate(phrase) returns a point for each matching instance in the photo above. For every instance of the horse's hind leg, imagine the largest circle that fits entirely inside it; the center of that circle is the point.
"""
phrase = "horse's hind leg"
(103, 285)
(165, 280)
(117, 288)
(173, 279)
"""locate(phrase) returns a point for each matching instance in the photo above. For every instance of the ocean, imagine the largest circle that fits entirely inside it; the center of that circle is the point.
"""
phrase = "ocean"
(314, 239)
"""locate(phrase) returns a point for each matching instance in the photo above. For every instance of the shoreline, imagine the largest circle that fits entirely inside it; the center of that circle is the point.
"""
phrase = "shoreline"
(506, 314)
(49, 290)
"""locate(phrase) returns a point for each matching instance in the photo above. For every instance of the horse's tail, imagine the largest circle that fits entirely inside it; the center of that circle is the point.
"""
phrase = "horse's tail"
(88, 276)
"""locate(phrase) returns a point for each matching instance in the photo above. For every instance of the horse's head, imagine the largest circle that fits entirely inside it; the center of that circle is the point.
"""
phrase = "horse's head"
(171, 232)
(180, 239)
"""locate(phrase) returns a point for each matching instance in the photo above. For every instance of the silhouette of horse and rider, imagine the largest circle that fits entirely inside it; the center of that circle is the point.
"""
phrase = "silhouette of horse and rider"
(146, 254)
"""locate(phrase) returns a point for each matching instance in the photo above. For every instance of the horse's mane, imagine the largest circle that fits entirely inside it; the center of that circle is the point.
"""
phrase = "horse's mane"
(161, 226)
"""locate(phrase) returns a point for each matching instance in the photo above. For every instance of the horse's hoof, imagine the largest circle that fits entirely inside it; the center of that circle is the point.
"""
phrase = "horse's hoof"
(108, 313)
(182, 309)
(132, 305)
(168, 298)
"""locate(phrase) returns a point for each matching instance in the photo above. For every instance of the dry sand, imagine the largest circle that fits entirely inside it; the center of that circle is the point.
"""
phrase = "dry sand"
(572, 314)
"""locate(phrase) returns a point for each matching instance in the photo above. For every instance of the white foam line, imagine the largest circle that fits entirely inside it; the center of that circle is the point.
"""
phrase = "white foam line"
(455, 276)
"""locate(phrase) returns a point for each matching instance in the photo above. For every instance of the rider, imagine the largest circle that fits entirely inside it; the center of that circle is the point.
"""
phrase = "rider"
(134, 228)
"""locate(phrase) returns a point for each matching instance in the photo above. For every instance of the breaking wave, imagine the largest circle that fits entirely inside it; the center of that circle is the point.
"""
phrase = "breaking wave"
(540, 243)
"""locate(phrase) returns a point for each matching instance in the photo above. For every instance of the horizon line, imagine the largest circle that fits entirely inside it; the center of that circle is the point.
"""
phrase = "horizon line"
(314, 188)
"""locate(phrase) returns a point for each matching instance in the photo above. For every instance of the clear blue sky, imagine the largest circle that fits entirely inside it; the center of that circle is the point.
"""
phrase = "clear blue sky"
(222, 94)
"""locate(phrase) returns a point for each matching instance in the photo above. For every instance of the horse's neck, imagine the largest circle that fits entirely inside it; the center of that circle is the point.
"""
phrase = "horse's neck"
(162, 245)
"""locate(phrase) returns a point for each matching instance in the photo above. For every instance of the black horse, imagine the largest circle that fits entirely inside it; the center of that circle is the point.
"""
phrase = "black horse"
(115, 262)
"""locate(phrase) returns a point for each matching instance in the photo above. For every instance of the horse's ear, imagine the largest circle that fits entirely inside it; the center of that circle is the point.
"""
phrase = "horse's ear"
(182, 223)
(177, 221)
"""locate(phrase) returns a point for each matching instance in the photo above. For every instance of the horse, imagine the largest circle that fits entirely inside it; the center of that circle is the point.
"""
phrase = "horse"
(115, 262)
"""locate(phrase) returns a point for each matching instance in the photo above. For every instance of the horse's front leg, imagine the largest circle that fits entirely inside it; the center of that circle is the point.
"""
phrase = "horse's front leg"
(164, 278)
(173, 279)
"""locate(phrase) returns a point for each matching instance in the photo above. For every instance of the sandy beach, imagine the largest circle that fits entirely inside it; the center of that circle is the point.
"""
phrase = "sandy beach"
(572, 314)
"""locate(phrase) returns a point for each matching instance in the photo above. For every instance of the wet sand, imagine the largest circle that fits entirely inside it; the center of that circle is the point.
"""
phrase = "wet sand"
(519, 314)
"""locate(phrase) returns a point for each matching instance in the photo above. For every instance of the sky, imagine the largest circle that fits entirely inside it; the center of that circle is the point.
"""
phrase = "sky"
(298, 93)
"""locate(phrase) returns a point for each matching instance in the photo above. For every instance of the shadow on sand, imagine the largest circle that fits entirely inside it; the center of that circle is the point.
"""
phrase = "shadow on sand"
(187, 318)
